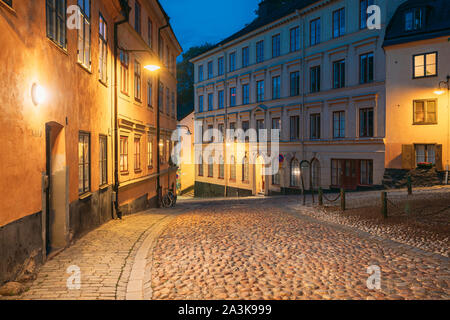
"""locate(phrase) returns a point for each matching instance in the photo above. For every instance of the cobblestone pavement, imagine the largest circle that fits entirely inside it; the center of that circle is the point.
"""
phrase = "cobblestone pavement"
(257, 249)
(238, 249)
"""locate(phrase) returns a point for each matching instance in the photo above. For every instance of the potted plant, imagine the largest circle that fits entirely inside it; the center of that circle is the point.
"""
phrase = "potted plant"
(425, 165)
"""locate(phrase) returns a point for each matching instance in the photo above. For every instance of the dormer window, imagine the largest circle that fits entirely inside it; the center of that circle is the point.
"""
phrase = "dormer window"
(413, 19)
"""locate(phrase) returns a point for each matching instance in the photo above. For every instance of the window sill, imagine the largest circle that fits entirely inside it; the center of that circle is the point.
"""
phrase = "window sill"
(85, 196)
(425, 124)
(104, 187)
(137, 170)
(82, 66)
(57, 46)
(8, 7)
(124, 173)
(103, 83)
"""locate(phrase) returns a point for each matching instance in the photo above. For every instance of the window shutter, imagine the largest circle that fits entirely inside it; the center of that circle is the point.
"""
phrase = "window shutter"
(439, 166)
(408, 156)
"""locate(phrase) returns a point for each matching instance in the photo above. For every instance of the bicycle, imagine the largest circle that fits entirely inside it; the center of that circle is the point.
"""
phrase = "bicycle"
(169, 200)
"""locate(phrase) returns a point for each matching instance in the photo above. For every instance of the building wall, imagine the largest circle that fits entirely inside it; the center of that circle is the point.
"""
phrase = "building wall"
(353, 97)
(186, 172)
(402, 90)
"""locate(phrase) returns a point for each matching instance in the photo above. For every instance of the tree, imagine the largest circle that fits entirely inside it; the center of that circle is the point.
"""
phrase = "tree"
(268, 6)
(185, 77)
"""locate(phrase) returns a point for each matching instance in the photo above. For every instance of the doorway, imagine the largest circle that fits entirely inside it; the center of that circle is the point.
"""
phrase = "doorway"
(260, 176)
(56, 191)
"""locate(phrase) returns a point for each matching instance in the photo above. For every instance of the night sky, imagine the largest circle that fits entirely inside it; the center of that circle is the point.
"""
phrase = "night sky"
(198, 21)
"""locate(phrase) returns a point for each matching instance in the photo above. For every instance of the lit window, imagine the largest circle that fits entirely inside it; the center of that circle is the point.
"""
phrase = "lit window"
(425, 65)
(295, 173)
(103, 160)
(123, 154)
(84, 34)
(84, 163)
(425, 112)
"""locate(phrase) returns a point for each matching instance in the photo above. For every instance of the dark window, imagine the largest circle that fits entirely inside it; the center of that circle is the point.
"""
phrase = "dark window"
(8, 2)
(339, 124)
(276, 46)
(149, 94)
(210, 102)
(123, 154)
(260, 91)
(210, 167)
(137, 80)
(84, 163)
(245, 94)
(413, 19)
(221, 99)
(103, 49)
(124, 64)
(339, 74)
(425, 112)
(314, 76)
(137, 17)
(366, 122)
(366, 172)
(200, 103)
(260, 126)
(336, 172)
(366, 68)
(425, 65)
(276, 88)
(294, 44)
(276, 179)
(295, 173)
(260, 51)
(150, 32)
(200, 73)
(295, 127)
(339, 23)
(137, 154)
(295, 83)
(220, 66)
(276, 125)
(150, 151)
(232, 97)
(56, 20)
(315, 126)
(363, 16)
(232, 61)
(210, 70)
(245, 57)
(315, 32)
(84, 34)
(103, 160)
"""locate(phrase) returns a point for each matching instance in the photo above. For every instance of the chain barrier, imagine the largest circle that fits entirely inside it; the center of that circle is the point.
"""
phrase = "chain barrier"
(328, 199)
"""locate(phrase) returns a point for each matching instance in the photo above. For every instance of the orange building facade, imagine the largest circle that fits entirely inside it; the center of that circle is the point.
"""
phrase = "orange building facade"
(77, 139)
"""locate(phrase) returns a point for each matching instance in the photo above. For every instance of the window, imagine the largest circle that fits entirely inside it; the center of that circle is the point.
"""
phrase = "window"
(315, 126)
(295, 127)
(210, 70)
(426, 153)
(200, 166)
(413, 19)
(314, 79)
(366, 68)
(276, 125)
(295, 83)
(276, 88)
(162, 153)
(210, 166)
(276, 46)
(8, 2)
(245, 170)
(245, 128)
(366, 172)
(167, 101)
(137, 154)
(366, 122)
(221, 129)
(200, 73)
(363, 16)
(260, 132)
(200, 104)
(295, 173)
(150, 151)
(260, 91)
(232, 168)
(336, 172)
(210, 134)
(245, 94)
(150, 32)
(103, 160)
(220, 66)
(221, 99)
(232, 97)
(221, 168)
(232, 61)
(260, 51)
(84, 34)
(137, 17)
(103, 50)
(124, 63)
(425, 65)
(315, 174)
(294, 43)
(56, 20)
(161, 98)
(245, 57)
(314, 32)
(123, 154)
(137, 80)
(339, 23)
(173, 104)
(84, 163)
(339, 74)
(339, 124)
(425, 112)
(149, 94)
(210, 101)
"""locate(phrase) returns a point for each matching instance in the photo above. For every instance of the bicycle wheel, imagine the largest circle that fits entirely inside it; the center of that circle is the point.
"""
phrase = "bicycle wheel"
(173, 199)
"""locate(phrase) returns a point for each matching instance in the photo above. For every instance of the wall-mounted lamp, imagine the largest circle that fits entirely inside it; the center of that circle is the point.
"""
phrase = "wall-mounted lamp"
(152, 67)
(38, 94)
(441, 88)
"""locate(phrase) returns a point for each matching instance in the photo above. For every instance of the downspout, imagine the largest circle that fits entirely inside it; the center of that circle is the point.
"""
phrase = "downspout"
(125, 12)
(303, 87)
(225, 102)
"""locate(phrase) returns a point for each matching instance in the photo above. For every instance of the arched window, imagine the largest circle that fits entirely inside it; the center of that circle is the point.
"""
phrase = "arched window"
(200, 166)
(221, 168)
(295, 173)
(315, 174)
(210, 166)
(232, 168)
(245, 169)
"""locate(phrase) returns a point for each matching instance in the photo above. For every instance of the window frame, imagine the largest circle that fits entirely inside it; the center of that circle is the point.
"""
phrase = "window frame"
(232, 59)
(103, 50)
(315, 126)
(425, 122)
(150, 151)
(124, 72)
(260, 91)
(123, 155)
(294, 39)
(53, 9)
(341, 81)
(276, 45)
(245, 57)
(86, 161)
(86, 21)
(314, 86)
(137, 154)
(364, 75)
(276, 87)
(340, 31)
(425, 65)
(364, 14)
(341, 129)
(245, 94)
(137, 81)
(317, 32)
(296, 136)
(369, 132)
(233, 97)
(260, 51)
(103, 159)
(296, 92)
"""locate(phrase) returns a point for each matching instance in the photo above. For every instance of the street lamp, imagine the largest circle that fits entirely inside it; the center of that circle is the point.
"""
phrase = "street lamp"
(38, 94)
(441, 88)
(152, 67)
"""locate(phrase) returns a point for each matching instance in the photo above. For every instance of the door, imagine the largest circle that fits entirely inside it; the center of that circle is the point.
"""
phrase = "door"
(349, 174)
(260, 178)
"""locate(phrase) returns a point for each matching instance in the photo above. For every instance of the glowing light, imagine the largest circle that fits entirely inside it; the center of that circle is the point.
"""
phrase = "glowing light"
(439, 92)
(38, 94)
(152, 67)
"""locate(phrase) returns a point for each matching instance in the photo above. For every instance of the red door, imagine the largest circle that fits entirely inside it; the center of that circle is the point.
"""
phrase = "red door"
(349, 172)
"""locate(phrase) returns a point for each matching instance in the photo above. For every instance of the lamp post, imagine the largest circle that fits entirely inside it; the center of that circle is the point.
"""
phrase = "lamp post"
(440, 91)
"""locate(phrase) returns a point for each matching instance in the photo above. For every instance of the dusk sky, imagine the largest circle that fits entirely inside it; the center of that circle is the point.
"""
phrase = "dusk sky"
(198, 21)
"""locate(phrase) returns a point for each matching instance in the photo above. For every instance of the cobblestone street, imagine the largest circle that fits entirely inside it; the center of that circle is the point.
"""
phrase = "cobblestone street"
(240, 249)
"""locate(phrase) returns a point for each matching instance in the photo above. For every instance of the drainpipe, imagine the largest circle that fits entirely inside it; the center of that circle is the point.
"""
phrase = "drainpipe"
(225, 102)
(125, 13)
(303, 86)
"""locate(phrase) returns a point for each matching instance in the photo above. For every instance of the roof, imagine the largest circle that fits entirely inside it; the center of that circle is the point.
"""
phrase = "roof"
(265, 20)
(436, 22)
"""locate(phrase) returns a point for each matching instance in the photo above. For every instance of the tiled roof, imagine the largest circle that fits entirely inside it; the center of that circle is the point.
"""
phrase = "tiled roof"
(436, 22)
